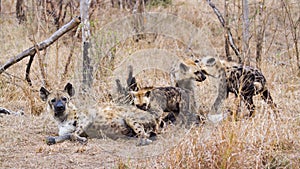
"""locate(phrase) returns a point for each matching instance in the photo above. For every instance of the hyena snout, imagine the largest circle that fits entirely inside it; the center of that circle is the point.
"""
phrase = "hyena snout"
(142, 106)
(200, 76)
(59, 107)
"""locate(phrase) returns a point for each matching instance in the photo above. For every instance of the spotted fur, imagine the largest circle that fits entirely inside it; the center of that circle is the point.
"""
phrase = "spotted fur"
(96, 121)
(244, 81)
(185, 75)
(169, 102)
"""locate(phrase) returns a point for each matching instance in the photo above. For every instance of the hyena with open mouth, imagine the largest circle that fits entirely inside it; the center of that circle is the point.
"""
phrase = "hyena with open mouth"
(244, 81)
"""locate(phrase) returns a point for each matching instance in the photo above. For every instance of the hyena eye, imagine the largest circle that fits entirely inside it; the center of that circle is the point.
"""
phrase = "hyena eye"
(64, 99)
(53, 100)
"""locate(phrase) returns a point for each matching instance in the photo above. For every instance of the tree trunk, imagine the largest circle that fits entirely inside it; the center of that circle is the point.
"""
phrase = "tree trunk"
(227, 52)
(87, 68)
(246, 25)
(20, 11)
(260, 34)
(139, 28)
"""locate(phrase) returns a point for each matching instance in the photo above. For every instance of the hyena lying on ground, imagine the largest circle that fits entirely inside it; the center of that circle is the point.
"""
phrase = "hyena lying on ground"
(104, 121)
(171, 100)
(243, 81)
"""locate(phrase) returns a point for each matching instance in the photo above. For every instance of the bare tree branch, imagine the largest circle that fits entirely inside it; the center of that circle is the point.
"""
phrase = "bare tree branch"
(227, 52)
(42, 45)
(27, 77)
(9, 112)
(293, 28)
(230, 38)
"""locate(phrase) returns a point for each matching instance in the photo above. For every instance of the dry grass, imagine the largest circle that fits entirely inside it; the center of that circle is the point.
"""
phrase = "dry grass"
(261, 142)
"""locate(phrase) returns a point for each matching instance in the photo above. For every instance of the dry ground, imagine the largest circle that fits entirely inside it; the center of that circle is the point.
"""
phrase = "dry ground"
(261, 142)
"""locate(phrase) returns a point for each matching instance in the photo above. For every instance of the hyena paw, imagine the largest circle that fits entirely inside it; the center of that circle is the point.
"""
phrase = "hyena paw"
(76, 137)
(82, 140)
(50, 140)
(144, 142)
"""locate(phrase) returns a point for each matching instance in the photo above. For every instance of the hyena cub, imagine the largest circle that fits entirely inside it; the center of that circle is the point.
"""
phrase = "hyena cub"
(185, 75)
(243, 81)
(111, 121)
(170, 101)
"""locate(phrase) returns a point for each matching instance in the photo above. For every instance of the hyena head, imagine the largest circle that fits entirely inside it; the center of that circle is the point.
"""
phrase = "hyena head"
(210, 66)
(141, 98)
(189, 70)
(58, 100)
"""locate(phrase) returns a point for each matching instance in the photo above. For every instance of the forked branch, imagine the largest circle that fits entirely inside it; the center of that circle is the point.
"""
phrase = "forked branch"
(42, 45)
(230, 38)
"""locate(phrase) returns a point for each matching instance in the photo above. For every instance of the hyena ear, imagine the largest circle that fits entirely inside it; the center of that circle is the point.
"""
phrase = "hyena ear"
(210, 61)
(44, 93)
(183, 67)
(120, 88)
(131, 80)
(70, 89)
(147, 94)
(133, 85)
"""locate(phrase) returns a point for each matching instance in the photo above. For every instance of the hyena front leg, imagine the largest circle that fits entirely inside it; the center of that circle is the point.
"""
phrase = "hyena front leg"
(81, 127)
(73, 136)
(58, 139)
(187, 109)
(72, 131)
(140, 131)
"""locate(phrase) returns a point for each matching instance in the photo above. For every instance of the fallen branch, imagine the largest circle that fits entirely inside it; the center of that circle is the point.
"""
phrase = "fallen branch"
(230, 38)
(9, 112)
(42, 45)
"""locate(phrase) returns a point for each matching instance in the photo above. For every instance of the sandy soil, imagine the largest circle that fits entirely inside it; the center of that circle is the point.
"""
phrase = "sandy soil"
(22, 146)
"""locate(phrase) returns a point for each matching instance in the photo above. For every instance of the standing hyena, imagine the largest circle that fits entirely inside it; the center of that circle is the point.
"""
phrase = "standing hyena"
(185, 75)
(243, 81)
(107, 120)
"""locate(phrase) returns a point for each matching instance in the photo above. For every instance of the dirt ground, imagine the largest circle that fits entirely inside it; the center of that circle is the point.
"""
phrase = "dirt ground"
(22, 145)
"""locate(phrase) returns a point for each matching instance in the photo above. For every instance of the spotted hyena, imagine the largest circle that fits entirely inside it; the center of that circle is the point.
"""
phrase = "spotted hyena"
(244, 81)
(173, 101)
(185, 75)
(109, 120)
